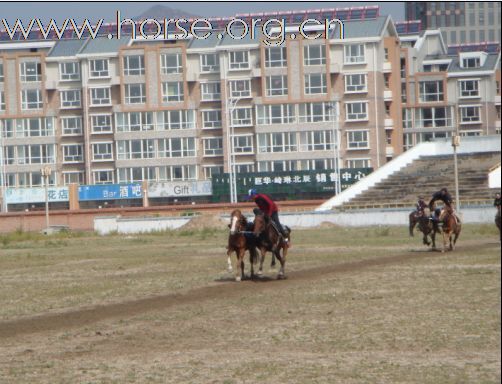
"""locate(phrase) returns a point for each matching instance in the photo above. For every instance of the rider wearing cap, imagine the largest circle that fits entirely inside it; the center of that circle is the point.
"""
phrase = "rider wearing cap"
(496, 202)
(269, 208)
(420, 206)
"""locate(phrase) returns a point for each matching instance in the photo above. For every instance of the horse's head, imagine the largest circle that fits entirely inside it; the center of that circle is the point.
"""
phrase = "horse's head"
(237, 222)
(260, 223)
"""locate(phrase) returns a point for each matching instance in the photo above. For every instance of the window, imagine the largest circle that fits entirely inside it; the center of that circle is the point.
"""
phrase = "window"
(171, 63)
(277, 142)
(355, 83)
(407, 118)
(31, 71)
(356, 111)
(431, 91)
(242, 117)
(470, 114)
(135, 93)
(211, 119)
(102, 176)
(314, 54)
(213, 146)
(209, 62)
(1, 73)
(437, 117)
(468, 88)
(134, 121)
(358, 163)
(35, 154)
(73, 153)
(275, 114)
(35, 127)
(275, 57)
(317, 112)
(357, 140)
(101, 124)
(178, 172)
(315, 83)
(31, 99)
(180, 119)
(135, 149)
(210, 91)
(102, 151)
(212, 170)
(2, 101)
(243, 144)
(70, 98)
(240, 88)
(316, 141)
(172, 91)
(471, 62)
(177, 147)
(100, 96)
(238, 60)
(354, 54)
(98, 68)
(71, 125)
(73, 177)
(69, 71)
(277, 85)
(135, 174)
(386, 54)
(134, 65)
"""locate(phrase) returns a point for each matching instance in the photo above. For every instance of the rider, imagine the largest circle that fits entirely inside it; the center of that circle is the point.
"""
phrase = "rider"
(446, 198)
(420, 206)
(269, 208)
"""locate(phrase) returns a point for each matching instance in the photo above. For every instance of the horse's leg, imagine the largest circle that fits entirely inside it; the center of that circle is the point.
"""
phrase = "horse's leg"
(282, 259)
(433, 238)
(272, 263)
(445, 239)
(252, 260)
(229, 259)
(239, 266)
(411, 226)
(263, 251)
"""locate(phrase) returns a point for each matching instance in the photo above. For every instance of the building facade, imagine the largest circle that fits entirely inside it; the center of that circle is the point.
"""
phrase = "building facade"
(460, 22)
(104, 111)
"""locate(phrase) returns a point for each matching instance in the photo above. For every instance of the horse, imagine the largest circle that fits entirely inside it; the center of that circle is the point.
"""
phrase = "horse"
(497, 222)
(451, 228)
(270, 240)
(238, 242)
(426, 226)
(413, 218)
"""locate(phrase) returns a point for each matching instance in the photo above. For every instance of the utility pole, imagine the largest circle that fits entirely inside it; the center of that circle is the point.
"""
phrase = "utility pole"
(455, 142)
(46, 172)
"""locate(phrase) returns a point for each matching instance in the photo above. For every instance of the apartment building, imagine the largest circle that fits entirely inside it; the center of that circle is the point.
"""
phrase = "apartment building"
(459, 21)
(116, 111)
(448, 90)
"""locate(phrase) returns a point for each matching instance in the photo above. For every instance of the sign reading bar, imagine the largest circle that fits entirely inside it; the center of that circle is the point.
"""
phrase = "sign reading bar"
(180, 189)
(109, 192)
(35, 195)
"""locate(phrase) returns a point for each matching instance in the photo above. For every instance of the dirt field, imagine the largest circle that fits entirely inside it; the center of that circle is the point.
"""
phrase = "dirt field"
(359, 306)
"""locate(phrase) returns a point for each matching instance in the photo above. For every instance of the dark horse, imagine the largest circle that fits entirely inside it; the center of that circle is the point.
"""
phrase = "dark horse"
(426, 226)
(270, 240)
(451, 228)
(239, 242)
(497, 222)
(413, 219)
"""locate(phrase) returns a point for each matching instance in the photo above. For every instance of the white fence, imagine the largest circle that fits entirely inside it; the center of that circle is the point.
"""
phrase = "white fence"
(359, 218)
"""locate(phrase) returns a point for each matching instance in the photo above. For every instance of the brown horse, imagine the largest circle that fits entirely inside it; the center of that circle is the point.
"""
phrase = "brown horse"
(497, 222)
(269, 240)
(426, 226)
(451, 228)
(239, 243)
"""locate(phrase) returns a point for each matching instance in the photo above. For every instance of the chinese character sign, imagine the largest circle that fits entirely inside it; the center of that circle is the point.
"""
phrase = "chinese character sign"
(110, 192)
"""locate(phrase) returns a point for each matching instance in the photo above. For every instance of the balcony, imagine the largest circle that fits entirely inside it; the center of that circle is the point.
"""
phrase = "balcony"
(387, 67)
(497, 99)
(389, 123)
(389, 151)
(387, 95)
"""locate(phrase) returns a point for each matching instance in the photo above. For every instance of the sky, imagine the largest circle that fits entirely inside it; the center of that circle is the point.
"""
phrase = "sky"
(78, 10)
